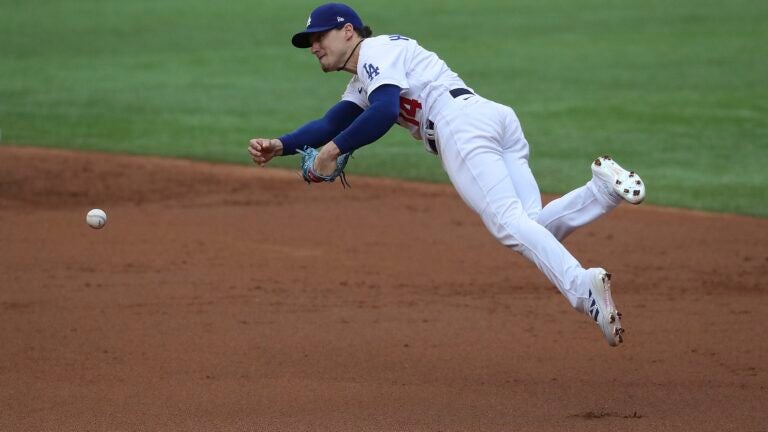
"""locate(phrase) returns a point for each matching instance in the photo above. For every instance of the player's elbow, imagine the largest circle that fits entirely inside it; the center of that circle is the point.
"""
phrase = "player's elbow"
(391, 114)
(385, 100)
(385, 114)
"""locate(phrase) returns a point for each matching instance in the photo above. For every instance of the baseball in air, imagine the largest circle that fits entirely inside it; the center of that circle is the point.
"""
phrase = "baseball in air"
(96, 218)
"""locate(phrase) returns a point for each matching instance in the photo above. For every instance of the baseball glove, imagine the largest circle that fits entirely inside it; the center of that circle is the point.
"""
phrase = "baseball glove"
(308, 156)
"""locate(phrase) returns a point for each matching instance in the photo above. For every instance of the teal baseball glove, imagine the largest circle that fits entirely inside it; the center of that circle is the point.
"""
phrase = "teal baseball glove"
(308, 156)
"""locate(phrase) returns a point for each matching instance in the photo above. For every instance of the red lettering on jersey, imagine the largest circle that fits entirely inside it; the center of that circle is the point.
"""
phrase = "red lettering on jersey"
(408, 110)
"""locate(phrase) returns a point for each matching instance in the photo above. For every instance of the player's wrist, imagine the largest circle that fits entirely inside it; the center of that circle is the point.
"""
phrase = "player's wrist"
(331, 150)
(277, 145)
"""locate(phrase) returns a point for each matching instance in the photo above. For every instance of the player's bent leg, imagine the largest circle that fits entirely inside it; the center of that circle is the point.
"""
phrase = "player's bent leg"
(586, 290)
(476, 168)
(575, 209)
(609, 186)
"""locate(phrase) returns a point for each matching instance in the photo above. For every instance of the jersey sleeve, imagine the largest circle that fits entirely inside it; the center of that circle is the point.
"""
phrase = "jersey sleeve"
(355, 92)
(382, 62)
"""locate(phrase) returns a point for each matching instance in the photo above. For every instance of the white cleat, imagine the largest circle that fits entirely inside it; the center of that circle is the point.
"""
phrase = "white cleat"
(626, 184)
(600, 306)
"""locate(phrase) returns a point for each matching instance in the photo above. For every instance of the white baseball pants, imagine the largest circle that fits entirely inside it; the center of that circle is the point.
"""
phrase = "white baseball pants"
(485, 154)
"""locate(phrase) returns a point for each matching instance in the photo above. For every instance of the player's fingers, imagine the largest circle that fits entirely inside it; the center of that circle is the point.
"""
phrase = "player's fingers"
(257, 143)
(260, 150)
(255, 154)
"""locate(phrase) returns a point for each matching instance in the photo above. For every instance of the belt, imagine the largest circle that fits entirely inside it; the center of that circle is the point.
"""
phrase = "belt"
(431, 125)
(460, 92)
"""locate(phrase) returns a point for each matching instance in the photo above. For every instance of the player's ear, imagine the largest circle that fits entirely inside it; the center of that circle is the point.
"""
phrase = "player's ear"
(349, 30)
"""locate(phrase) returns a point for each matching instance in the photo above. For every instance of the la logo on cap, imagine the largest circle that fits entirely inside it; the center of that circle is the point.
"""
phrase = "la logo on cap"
(309, 20)
(339, 19)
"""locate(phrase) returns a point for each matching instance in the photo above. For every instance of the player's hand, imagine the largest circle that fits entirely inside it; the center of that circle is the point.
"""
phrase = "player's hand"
(262, 150)
(325, 163)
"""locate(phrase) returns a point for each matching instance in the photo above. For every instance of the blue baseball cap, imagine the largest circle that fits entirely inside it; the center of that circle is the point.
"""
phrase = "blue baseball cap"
(326, 17)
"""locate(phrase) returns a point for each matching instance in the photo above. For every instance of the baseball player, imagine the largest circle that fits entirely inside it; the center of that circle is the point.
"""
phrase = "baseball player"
(480, 143)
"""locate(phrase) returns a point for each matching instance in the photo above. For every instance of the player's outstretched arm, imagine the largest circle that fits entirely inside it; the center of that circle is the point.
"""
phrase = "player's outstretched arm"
(321, 131)
(262, 150)
(374, 122)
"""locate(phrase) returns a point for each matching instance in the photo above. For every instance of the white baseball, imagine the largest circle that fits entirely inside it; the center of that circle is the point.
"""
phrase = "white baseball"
(96, 218)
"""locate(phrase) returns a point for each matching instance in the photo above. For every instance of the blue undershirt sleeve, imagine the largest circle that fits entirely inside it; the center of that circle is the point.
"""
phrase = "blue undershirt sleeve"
(374, 122)
(321, 131)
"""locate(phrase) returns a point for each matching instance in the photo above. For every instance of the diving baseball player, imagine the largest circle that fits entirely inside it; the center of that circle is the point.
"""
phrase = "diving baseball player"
(480, 143)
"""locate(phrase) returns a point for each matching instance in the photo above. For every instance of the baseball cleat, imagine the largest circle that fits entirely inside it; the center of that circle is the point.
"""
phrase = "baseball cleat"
(601, 308)
(627, 184)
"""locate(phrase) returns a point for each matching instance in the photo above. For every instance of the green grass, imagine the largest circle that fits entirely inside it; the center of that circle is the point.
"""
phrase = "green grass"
(676, 90)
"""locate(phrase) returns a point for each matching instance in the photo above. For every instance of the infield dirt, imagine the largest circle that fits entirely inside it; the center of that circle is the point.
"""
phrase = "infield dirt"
(224, 297)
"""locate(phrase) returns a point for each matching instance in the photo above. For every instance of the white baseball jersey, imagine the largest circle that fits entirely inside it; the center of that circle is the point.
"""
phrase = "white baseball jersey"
(398, 60)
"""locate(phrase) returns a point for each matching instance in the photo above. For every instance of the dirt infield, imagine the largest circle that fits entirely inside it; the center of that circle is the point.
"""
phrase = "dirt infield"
(236, 298)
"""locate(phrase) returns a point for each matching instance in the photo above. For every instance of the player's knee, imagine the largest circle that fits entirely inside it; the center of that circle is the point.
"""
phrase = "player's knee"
(511, 213)
(506, 223)
(533, 214)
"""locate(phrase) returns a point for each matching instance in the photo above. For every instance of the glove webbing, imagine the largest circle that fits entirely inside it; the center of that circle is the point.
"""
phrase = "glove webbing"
(317, 178)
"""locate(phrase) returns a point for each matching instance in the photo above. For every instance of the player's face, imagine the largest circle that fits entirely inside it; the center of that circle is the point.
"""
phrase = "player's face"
(330, 48)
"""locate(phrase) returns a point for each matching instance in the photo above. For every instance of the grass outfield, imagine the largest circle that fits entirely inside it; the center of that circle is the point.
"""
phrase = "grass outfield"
(677, 90)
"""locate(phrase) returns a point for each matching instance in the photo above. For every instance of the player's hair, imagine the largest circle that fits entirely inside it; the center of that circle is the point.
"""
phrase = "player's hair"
(364, 32)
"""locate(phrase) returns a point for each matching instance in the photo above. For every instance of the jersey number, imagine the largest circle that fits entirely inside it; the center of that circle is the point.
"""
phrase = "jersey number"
(408, 110)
